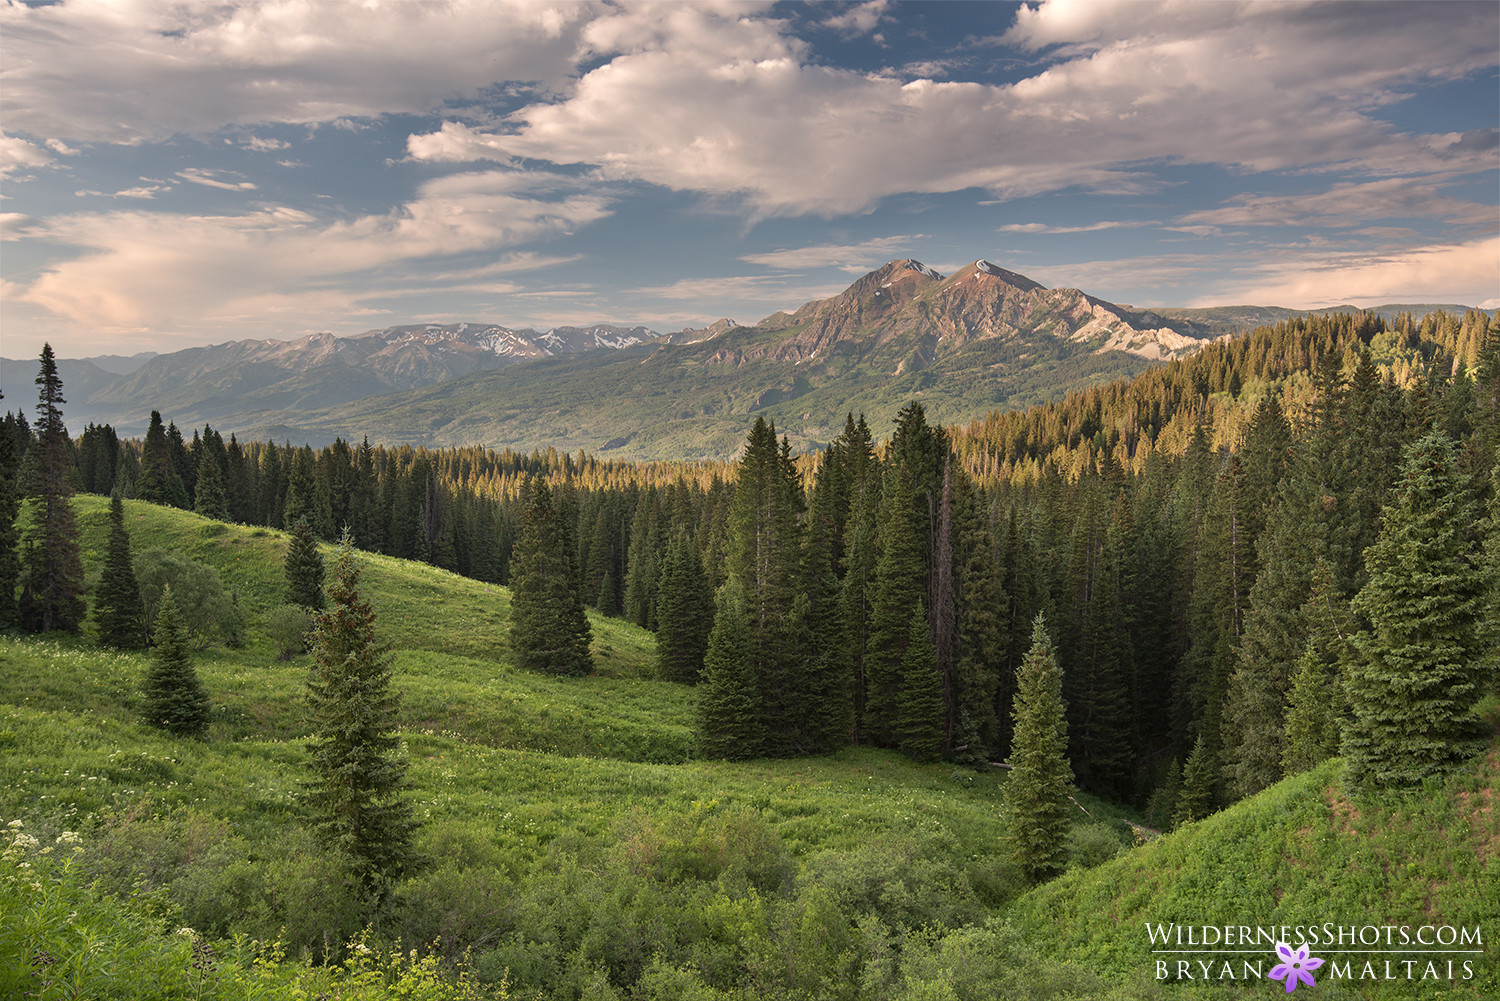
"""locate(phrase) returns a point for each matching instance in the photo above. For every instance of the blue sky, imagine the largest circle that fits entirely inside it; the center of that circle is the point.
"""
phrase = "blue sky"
(188, 174)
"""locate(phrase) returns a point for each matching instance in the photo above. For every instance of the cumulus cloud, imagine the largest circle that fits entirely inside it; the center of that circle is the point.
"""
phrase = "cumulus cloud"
(734, 106)
(165, 271)
(258, 145)
(17, 155)
(861, 19)
(140, 70)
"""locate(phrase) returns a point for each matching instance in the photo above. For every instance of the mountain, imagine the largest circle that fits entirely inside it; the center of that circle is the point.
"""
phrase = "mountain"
(222, 383)
(964, 344)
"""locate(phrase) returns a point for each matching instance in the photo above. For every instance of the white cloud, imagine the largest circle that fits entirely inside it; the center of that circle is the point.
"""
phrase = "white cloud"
(136, 70)
(258, 145)
(1348, 205)
(17, 154)
(860, 19)
(854, 258)
(1466, 273)
(167, 272)
(215, 179)
(1041, 228)
(731, 106)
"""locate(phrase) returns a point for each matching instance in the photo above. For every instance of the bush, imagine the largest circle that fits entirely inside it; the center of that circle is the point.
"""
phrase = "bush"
(211, 613)
(288, 627)
(1091, 844)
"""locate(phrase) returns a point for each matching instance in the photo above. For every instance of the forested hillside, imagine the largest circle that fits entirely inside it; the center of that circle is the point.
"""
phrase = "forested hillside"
(1219, 574)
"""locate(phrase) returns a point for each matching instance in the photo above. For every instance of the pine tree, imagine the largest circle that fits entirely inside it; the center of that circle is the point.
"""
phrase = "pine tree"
(159, 481)
(1036, 796)
(1312, 731)
(919, 703)
(729, 723)
(10, 505)
(1200, 782)
(117, 599)
(548, 629)
(210, 500)
(684, 611)
(304, 569)
(175, 699)
(356, 792)
(1417, 671)
(56, 565)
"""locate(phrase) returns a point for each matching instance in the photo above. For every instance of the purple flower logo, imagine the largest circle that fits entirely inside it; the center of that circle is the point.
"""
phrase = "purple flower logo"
(1295, 966)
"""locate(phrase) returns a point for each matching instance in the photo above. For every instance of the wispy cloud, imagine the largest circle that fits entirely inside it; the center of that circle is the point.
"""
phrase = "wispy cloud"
(215, 179)
(855, 258)
(1041, 228)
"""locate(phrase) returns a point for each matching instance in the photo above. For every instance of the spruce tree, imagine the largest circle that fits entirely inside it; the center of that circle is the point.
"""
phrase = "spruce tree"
(1200, 782)
(729, 722)
(356, 793)
(159, 481)
(304, 569)
(210, 500)
(548, 629)
(10, 506)
(175, 700)
(1036, 796)
(1418, 669)
(56, 565)
(1312, 730)
(684, 612)
(117, 599)
(919, 704)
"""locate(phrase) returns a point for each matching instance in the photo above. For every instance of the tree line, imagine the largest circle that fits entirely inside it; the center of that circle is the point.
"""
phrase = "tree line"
(1214, 549)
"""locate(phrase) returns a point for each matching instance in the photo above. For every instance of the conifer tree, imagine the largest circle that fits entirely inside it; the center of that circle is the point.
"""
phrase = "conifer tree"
(56, 565)
(548, 629)
(356, 792)
(175, 700)
(919, 704)
(1200, 783)
(1418, 669)
(981, 628)
(729, 723)
(210, 500)
(1312, 726)
(304, 569)
(10, 505)
(117, 599)
(684, 611)
(1036, 795)
(159, 481)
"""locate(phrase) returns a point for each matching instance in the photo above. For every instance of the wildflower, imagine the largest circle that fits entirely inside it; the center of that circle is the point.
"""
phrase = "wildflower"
(1296, 966)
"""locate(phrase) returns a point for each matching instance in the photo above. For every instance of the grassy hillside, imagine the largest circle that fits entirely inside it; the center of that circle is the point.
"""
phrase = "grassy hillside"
(580, 849)
(1300, 854)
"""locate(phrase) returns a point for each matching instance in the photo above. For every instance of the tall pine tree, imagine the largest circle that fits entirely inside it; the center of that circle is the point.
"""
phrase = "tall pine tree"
(685, 611)
(729, 718)
(304, 569)
(1036, 795)
(1418, 669)
(356, 795)
(117, 599)
(548, 629)
(56, 564)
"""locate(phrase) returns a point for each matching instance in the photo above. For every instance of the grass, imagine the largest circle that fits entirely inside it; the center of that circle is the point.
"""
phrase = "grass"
(576, 835)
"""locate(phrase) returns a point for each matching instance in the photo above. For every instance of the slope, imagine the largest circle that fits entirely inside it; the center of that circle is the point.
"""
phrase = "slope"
(980, 339)
(1301, 854)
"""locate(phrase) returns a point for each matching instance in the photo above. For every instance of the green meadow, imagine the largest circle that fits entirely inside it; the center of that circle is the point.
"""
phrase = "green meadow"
(579, 847)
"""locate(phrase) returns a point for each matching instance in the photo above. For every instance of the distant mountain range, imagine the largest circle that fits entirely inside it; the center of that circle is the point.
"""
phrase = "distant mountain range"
(979, 339)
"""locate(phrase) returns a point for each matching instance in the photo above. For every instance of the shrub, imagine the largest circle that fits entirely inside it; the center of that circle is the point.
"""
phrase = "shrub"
(288, 627)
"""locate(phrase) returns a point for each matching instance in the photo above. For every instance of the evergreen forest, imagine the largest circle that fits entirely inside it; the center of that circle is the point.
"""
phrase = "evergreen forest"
(1263, 575)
